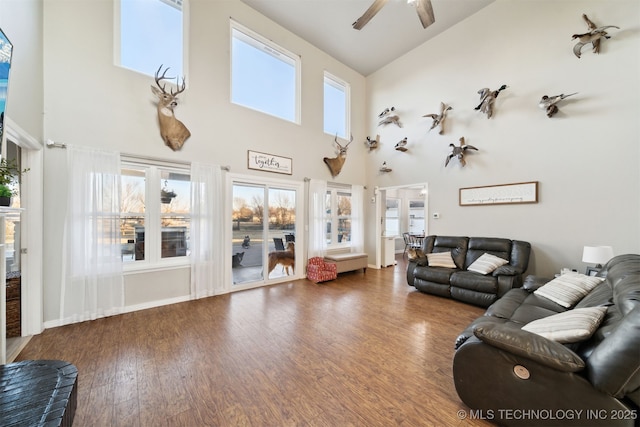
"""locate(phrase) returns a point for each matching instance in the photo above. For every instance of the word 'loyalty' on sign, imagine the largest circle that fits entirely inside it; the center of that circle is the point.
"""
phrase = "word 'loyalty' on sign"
(269, 162)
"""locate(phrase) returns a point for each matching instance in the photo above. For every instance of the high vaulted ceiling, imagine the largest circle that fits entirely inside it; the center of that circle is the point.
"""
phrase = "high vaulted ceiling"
(394, 31)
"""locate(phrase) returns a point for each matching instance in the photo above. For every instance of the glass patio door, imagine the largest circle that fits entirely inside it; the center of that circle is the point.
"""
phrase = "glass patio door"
(263, 232)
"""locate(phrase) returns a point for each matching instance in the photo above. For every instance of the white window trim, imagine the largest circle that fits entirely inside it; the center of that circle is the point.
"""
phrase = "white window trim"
(277, 51)
(185, 36)
(335, 218)
(339, 83)
(153, 260)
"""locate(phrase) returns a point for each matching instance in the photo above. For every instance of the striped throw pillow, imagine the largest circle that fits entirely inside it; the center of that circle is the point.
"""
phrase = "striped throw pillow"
(569, 288)
(571, 326)
(486, 264)
(441, 259)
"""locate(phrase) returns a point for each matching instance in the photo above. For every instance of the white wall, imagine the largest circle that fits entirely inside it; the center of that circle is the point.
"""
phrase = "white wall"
(91, 102)
(585, 158)
(21, 21)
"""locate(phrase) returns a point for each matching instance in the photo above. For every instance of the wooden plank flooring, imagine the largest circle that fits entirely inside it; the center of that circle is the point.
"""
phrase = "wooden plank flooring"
(363, 350)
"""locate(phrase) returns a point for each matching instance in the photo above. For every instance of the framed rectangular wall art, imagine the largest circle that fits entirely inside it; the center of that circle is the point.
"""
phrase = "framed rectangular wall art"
(269, 162)
(521, 192)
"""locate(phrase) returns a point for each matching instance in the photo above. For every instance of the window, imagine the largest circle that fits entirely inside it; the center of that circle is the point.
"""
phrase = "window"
(392, 217)
(142, 49)
(416, 216)
(338, 220)
(155, 217)
(336, 106)
(264, 76)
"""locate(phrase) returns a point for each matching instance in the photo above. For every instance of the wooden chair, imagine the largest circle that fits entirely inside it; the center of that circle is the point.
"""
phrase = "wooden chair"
(411, 242)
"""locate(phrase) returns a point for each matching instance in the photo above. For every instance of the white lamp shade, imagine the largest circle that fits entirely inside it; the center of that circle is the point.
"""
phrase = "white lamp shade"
(597, 254)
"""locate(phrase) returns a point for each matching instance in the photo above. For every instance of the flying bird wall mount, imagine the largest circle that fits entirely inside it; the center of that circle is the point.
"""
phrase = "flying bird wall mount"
(387, 117)
(402, 145)
(548, 103)
(423, 9)
(487, 99)
(372, 144)
(593, 36)
(439, 119)
(459, 152)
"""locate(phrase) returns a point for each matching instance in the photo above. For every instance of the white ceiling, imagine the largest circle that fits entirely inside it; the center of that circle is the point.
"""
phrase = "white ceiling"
(394, 31)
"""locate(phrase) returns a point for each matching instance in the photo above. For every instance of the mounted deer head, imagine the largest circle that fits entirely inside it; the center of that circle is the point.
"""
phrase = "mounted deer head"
(172, 130)
(335, 164)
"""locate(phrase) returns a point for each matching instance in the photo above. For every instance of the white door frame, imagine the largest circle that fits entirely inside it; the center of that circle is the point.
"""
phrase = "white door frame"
(380, 193)
(298, 186)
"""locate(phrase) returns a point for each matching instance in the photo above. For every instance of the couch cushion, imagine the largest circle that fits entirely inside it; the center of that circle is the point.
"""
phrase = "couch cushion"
(571, 326)
(433, 274)
(442, 259)
(486, 263)
(481, 245)
(456, 245)
(568, 289)
(474, 281)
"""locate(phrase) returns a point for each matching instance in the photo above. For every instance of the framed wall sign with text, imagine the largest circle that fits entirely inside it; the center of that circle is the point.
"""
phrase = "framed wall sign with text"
(521, 192)
(269, 162)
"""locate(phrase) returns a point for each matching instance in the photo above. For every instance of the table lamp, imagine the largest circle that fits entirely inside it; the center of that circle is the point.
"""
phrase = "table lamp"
(597, 254)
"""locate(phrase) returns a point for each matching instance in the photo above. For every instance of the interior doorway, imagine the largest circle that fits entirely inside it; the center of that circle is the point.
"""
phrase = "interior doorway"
(399, 209)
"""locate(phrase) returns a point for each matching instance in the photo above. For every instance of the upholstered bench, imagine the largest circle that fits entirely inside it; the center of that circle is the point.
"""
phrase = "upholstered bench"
(348, 261)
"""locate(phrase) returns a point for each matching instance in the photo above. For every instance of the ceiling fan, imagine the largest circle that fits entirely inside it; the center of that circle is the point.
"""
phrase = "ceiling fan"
(423, 7)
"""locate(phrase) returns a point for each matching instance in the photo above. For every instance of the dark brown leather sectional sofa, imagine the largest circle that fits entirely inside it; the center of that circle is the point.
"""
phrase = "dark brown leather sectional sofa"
(515, 377)
(468, 286)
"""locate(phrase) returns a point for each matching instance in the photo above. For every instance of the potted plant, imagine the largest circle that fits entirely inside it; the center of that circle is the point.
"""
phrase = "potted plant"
(9, 172)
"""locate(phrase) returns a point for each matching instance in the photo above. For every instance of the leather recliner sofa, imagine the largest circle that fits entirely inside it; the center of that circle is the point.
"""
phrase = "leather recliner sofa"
(464, 285)
(516, 377)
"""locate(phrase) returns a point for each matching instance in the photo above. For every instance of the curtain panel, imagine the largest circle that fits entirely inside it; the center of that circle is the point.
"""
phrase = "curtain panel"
(317, 218)
(92, 282)
(207, 213)
(357, 218)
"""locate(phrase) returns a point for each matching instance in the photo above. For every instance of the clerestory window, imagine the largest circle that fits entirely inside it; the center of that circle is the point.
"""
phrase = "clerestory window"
(264, 76)
(141, 49)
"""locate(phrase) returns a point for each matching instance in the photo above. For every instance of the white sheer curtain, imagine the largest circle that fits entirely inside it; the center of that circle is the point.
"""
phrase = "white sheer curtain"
(92, 282)
(317, 218)
(357, 218)
(207, 216)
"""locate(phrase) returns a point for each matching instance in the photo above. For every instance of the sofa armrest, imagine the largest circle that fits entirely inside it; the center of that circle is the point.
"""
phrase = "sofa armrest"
(529, 345)
(531, 283)
(506, 270)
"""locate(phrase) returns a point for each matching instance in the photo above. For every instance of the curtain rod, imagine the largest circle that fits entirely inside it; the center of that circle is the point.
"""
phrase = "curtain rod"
(52, 144)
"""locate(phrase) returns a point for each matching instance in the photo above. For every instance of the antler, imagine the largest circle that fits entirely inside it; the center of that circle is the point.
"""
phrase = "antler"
(339, 145)
(162, 77)
(158, 78)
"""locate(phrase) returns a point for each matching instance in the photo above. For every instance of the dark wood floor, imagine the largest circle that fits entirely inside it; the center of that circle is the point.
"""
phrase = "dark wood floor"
(363, 350)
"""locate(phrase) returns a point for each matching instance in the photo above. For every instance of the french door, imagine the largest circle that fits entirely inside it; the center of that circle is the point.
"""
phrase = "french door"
(264, 232)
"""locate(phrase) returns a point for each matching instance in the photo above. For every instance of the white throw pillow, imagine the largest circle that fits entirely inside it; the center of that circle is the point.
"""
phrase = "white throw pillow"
(569, 288)
(486, 264)
(441, 259)
(571, 326)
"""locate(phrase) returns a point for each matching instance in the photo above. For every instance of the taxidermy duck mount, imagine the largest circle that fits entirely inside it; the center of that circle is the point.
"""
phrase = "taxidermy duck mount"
(438, 119)
(459, 152)
(487, 99)
(174, 133)
(548, 103)
(594, 36)
(372, 144)
(387, 118)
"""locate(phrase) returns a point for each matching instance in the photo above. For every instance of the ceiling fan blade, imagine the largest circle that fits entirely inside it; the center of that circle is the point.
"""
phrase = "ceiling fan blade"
(369, 13)
(425, 12)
